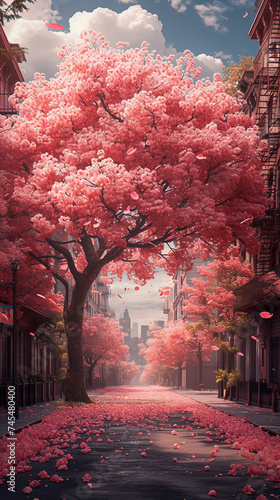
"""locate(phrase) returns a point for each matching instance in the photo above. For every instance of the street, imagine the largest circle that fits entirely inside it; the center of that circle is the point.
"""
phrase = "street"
(135, 443)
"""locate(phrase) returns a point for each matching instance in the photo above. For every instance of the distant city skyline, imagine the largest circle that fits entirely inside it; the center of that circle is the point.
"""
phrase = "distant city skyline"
(144, 303)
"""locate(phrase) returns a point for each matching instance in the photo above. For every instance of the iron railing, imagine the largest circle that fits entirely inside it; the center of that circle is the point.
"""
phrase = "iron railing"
(31, 393)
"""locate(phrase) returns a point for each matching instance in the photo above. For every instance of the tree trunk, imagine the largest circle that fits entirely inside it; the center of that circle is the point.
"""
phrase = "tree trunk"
(200, 371)
(90, 373)
(200, 363)
(73, 317)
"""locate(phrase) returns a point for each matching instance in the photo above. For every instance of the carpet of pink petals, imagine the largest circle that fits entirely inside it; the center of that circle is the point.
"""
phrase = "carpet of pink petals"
(60, 431)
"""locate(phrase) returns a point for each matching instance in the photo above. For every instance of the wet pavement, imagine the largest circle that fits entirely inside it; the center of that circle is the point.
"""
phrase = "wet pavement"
(157, 458)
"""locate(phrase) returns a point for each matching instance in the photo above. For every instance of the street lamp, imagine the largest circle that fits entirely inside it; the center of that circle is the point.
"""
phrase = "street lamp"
(15, 268)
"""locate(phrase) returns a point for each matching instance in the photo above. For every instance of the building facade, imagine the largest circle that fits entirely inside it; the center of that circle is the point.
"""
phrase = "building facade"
(261, 91)
(187, 375)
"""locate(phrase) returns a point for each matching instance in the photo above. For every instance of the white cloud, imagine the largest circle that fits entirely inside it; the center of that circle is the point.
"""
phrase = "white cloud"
(41, 10)
(246, 3)
(209, 65)
(178, 5)
(127, 1)
(133, 25)
(222, 55)
(213, 15)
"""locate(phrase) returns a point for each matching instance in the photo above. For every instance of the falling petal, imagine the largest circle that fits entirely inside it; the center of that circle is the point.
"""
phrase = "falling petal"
(87, 223)
(33, 334)
(134, 195)
(119, 296)
(246, 14)
(42, 296)
(240, 354)
(265, 315)
(137, 288)
(200, 157)
(54, 26)
(64, 267)
(248, 218)
(130, 151)
(215, 348)
(255, 338)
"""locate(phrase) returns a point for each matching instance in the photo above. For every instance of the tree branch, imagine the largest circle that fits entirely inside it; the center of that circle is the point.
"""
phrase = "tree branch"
(56, 246)
(55, 275)
(86, 244)
(102, 99)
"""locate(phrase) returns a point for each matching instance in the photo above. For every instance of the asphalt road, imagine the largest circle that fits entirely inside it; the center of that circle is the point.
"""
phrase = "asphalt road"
(119, 471)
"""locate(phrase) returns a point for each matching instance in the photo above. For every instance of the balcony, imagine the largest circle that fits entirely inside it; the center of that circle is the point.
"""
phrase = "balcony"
(253, 292)
(5, 107)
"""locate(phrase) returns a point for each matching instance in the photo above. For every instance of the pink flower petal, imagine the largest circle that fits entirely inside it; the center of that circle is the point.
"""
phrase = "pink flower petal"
(130, 151)
(54, 26)
(27, 490)
(212, 493)
(134, 195)
(265, 315)
(255, 338)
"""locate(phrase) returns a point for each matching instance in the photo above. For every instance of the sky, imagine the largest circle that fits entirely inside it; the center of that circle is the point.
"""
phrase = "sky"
(215, 31)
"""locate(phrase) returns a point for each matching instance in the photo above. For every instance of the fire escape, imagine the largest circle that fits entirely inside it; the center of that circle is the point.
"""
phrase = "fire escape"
(267, 85)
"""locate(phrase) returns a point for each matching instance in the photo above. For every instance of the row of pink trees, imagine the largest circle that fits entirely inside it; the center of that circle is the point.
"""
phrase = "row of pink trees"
(102, 341)
(209, 309)
(109, 163)
(175, 344)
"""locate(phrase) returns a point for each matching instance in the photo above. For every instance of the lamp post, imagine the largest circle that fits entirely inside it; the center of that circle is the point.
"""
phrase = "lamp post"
(15, 268)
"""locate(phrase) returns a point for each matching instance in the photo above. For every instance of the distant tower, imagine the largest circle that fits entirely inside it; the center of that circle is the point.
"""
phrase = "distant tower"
(144, 331)
(125, 322)
(134, 330)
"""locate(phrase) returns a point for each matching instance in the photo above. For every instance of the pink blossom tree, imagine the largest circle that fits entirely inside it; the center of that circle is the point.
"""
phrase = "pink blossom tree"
(128, 371)
(177, 343)
(211, 297)
(34, 284)
(102, 341)
(117, 157)
(211, 302)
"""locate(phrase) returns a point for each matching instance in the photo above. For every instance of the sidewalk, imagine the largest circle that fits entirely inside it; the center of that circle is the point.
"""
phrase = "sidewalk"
(262, 417)
(27, 416)
(30, 414)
